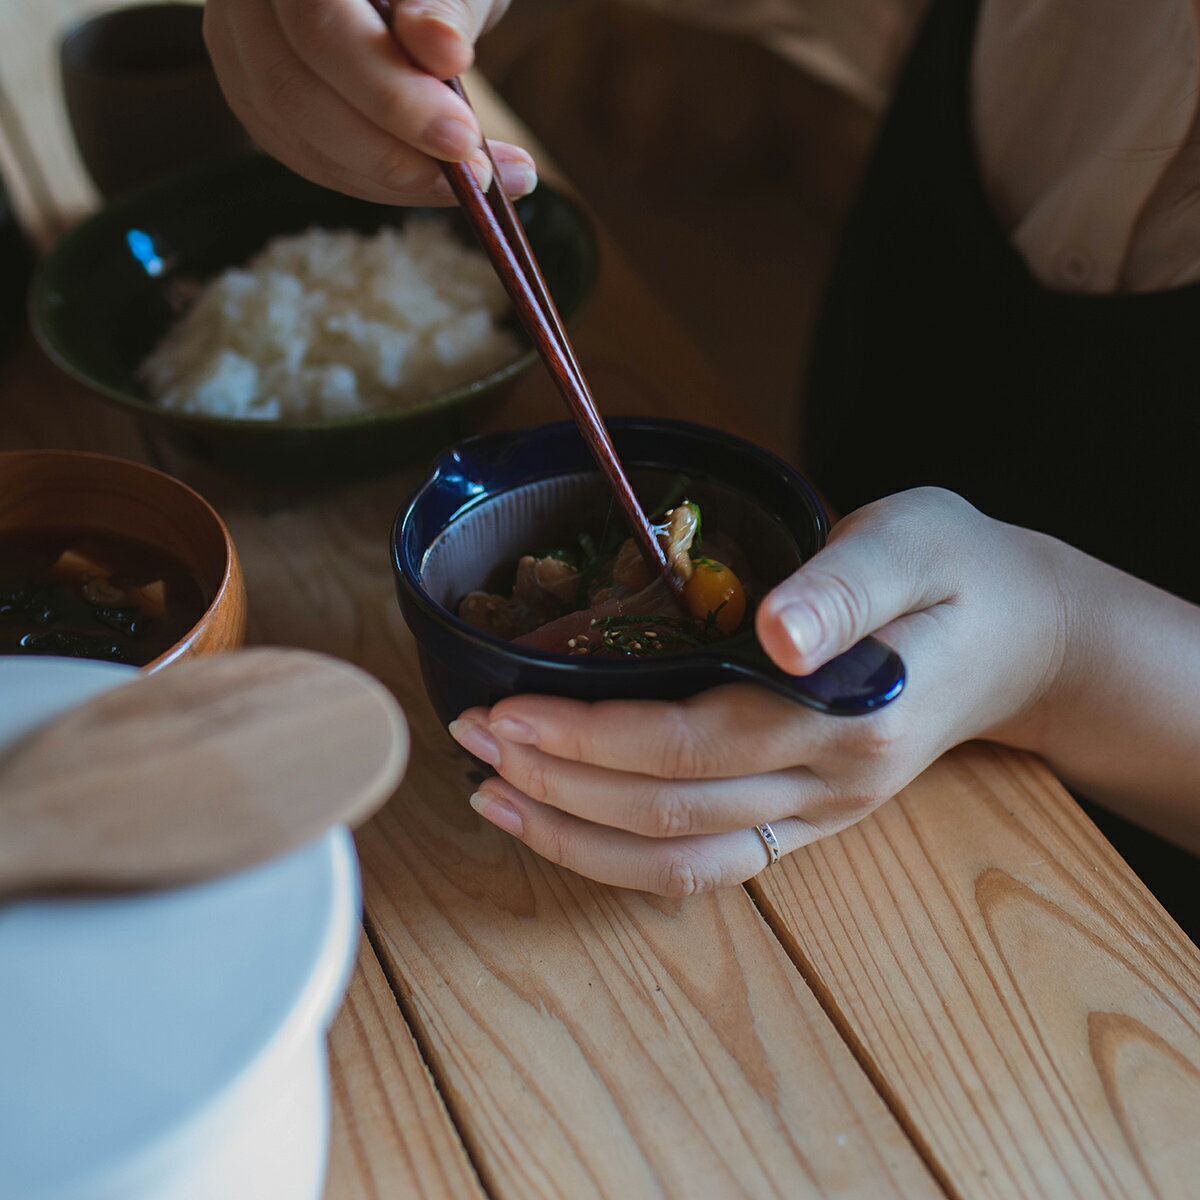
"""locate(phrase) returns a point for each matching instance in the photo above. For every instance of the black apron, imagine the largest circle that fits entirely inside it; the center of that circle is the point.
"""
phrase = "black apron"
(939, 359)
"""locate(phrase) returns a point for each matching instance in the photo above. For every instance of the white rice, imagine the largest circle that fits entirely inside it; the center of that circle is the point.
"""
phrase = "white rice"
(330, 323)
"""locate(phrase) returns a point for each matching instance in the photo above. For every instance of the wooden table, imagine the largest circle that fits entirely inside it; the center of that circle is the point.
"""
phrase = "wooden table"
(967, 994)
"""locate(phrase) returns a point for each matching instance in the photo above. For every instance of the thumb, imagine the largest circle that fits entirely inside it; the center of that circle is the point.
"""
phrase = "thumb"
(439, 35)
(891, 558)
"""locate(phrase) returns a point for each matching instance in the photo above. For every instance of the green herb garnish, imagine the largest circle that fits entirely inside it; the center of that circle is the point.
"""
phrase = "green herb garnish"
(643, 636)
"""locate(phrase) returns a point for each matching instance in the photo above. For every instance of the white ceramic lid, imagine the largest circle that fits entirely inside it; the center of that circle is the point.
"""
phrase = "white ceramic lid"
(124, 1018)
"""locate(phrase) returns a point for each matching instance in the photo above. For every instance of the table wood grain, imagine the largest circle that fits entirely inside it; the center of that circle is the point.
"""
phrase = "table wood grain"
(392, 1134)
(1030, 1012)
(968, 994)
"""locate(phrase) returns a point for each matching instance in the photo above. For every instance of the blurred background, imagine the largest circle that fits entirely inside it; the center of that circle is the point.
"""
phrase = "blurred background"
(722, 160)
(722, 165)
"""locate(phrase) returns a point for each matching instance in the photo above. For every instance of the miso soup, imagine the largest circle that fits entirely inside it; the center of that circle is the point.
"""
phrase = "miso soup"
(79, 593)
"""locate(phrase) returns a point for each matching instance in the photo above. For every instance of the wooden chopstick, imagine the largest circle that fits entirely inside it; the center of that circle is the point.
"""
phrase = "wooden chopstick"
(502, 237)
(510, 223)
(500, 233)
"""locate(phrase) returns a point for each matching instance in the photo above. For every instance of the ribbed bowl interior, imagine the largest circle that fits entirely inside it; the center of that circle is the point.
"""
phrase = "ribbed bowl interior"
(479, 549)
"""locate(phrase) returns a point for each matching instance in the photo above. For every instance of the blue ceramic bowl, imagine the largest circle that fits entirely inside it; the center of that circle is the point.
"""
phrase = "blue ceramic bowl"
(490, 499)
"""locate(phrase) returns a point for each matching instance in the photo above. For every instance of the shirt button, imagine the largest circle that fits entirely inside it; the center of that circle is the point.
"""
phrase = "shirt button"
(1076, 269)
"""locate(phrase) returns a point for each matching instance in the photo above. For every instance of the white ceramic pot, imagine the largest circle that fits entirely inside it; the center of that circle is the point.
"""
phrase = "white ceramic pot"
(168, 1045)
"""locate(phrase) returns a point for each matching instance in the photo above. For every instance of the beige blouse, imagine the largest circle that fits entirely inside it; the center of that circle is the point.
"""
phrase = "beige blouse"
(1084, 114)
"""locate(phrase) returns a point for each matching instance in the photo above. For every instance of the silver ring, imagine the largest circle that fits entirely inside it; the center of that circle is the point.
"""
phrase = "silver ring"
(771, 842)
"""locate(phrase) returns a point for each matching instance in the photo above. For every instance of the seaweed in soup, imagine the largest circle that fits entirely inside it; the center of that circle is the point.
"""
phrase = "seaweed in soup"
(79, 593)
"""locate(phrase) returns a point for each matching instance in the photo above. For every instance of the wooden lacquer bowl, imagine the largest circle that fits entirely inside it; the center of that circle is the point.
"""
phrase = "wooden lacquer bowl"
(50, 489)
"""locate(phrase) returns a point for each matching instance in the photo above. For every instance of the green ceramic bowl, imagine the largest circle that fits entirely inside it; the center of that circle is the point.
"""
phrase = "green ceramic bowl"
(104, 296)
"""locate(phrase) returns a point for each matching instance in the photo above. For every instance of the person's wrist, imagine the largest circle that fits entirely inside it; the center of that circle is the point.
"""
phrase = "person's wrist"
(1045, 634)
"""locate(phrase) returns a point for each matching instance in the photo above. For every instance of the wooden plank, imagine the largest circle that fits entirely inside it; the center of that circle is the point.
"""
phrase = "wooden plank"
(599, 1043)
(1028, 1007)
(391, 1135)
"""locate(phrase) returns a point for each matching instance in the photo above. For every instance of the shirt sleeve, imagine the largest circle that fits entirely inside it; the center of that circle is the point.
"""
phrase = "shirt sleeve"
(1086, 117)
(1091, 162)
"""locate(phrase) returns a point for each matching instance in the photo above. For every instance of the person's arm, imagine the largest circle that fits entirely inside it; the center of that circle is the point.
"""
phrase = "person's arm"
(324, 87)
(1007, 635)
(1121, 723)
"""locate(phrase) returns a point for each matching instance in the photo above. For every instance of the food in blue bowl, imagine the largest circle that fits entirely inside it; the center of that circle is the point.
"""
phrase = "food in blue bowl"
(494, 502)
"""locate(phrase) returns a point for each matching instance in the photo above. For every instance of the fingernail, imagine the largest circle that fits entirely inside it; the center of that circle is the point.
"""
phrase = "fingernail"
(453, 138)
(476, 740)
(517, 178)
(512, 730)
(500, 812)
(481, 168)
(802, 628)
(421, 12)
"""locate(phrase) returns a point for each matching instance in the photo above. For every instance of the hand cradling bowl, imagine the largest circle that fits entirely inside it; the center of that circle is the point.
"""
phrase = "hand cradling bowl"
(491, 499)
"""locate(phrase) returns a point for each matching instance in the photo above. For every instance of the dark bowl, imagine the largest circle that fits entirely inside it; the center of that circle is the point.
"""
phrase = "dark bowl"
(491, 499)
(109, 290)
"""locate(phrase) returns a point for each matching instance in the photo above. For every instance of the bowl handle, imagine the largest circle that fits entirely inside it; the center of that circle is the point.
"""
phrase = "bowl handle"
(862, 680)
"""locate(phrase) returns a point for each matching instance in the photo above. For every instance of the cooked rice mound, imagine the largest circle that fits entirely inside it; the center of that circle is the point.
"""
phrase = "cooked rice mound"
(330, 323)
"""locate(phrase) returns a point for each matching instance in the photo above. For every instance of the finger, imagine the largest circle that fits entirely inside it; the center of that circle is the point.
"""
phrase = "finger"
(425, 188)
(369, 164)
(295, 116)
(439, 35)
(674, 867)
(646, 805)
(729, 731)
(345, 44)
(896, 556)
